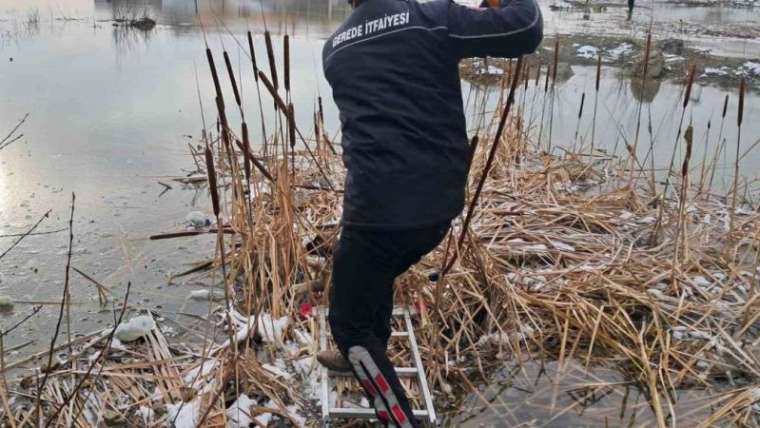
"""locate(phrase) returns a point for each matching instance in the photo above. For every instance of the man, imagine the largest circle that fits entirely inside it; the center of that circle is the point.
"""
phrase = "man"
(393, 69)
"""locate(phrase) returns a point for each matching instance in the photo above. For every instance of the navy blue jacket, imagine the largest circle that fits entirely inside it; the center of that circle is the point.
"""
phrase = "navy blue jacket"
(393, 69)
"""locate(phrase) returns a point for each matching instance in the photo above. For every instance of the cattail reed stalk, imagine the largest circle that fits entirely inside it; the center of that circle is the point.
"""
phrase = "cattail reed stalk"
(214, 75)
(292, 136)
(284, 108)
(681, 248)
(702, 172)
(486, 170)
(664, 194)
(543, 105)
(214, 191)
(526, 77)
(719, 143)
(212, 183)
(644, 69)
(233, 82)
(246, 148)
(272, 65)
(735, 188)
(258, 92)
(553, 93)
(596, 100)
(686, 98)
(580, 115)
(286, 60)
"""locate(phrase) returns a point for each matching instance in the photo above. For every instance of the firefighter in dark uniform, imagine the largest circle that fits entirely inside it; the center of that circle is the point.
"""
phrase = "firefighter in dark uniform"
(393, 69)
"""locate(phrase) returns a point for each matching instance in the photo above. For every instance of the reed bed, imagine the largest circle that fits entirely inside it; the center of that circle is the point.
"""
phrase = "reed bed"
(564, 258)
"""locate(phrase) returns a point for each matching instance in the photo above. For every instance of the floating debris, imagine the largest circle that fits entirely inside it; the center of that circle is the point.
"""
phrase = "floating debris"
(135, 328)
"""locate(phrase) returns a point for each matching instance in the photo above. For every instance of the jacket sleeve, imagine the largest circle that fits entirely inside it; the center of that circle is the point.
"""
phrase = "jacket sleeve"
(514, 29)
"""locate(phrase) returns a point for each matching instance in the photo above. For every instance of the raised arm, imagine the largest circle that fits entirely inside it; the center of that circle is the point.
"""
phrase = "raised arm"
(513, 29)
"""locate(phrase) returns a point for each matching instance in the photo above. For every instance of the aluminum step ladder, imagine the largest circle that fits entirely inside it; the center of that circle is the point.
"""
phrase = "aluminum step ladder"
(329, 413)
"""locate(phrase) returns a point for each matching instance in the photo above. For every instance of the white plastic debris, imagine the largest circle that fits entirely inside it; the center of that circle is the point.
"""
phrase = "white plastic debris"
(207, 295)
(239, 413)
(272, 330)
(184, 415)
(135, 328)
(197, 220)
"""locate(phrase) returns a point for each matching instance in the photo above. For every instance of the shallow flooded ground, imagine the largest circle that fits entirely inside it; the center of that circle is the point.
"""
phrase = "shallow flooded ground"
(537, 394)
(112, 110)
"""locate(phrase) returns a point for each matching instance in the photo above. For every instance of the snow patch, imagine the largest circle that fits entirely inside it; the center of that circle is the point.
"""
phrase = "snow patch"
(184, 415)
(239, 413)
(587, 52)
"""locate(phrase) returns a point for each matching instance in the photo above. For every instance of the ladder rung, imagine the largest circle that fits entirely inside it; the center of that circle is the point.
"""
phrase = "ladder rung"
(363, 412)
(400, 371)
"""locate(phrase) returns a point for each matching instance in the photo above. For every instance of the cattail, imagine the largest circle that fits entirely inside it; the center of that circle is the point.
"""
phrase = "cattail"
(598, 71)
(725, 107)
(538, 74)
(292, 125)
(232, 78)
(212, 180)
(270, 87)
(316, 130)
(270, 55)
(246, 149)
(321, 112)
(689, 137)
(583, 100)
(740, 116)
(527, 78)
(473, 147)
(222, 116)
(689, 85)
(249, 156)
(253, 57)
(646, 57)
(286, 54)
(556, 62)
(546, 83)
(214, 75)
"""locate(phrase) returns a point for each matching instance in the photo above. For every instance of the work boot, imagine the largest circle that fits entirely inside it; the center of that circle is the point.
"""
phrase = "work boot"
(334, 361)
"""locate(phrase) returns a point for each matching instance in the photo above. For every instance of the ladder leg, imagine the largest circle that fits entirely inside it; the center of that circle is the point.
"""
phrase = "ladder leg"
(421, 376)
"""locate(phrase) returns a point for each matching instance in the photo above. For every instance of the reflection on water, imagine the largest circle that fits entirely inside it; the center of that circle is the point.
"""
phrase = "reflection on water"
(618, 119)
(536, 395)
(278, 13)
